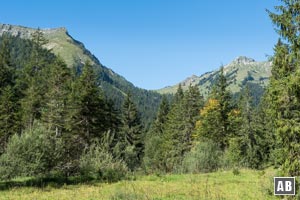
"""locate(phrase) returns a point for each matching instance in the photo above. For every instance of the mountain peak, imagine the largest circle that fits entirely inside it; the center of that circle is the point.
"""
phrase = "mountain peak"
(190, 80)
(243, 60)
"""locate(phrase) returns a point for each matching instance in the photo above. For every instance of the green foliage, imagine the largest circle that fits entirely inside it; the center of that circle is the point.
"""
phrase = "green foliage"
(131, 139)
(179, 126)
(54, 111)
(236, 171)
(283, 91)
(247, 144)
(87, 107)
(154, 139)
(205, 156)
(214, 122)
(32, 81)
(35, 152)
(8, 117)
(7, 71)
(8, 100)
(153, 159)
(98, 162)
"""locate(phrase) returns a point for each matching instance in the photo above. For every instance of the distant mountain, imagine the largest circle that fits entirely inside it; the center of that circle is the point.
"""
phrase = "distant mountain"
(239, 72)
(75, 55)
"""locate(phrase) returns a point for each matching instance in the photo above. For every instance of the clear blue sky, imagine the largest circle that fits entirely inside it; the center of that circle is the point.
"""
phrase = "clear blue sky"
(155, 43)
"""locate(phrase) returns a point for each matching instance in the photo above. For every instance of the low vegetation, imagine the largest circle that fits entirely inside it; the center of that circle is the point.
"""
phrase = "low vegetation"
(249, 184)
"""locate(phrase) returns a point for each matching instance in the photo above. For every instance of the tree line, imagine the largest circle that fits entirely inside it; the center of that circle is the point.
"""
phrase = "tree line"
(57, 120)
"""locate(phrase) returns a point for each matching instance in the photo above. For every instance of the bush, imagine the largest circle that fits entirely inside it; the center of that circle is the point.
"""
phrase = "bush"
(236, 171)
(33, 153)
(153, 159)
(242, 154)
(98, 162)
(204, 157)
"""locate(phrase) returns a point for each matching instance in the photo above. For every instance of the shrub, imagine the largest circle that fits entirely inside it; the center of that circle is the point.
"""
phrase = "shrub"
(35, 152)
(236, 171)
(205, 157)
(153, 159)
(98, 162)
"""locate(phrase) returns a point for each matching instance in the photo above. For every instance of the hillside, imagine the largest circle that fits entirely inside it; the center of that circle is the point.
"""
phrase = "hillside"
(75, 54)
(240, 71)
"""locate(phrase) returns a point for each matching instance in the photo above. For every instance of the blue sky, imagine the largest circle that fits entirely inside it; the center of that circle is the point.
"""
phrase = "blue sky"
(155, 43)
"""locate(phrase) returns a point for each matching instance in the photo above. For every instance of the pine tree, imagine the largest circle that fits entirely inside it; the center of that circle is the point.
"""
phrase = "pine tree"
(284, 87)
(131, 134)
(161, 118)
(214, 120)
(33, 83)
(192, 101)
(87, 114)
(8, 101)
(179, 126)
(39, 40)
(8, 117)
(55, 109)
(154, 138)
(7, 71)
(248, 139)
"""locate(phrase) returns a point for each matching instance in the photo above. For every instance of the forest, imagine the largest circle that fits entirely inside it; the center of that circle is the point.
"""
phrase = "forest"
(57, 122)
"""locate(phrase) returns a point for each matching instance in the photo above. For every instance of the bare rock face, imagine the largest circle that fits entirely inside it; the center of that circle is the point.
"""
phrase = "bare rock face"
(25, 32)
(243, 60)
(190, 81)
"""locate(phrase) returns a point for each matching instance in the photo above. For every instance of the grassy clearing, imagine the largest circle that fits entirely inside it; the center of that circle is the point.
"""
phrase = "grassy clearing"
(248, 184)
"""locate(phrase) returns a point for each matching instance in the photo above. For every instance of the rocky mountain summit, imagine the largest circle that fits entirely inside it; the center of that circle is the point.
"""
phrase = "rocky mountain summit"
(239, 72)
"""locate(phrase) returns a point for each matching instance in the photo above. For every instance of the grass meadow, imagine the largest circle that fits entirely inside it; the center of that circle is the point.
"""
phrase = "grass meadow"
(243, 184)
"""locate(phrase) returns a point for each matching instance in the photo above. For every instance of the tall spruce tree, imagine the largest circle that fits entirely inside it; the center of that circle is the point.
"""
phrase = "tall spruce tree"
(7, 71)
(154, 139)
(247, 140)
(131, 138)
(87, 114)
(179, 126)
(8, 101)
(33, 82)
(284, 90)
(214, 122)
(55, 108)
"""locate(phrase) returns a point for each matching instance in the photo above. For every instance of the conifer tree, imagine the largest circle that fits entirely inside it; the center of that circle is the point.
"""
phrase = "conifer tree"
(154, 139)
(87, 114)
(7, 72)
(131, 137)
(247, 140)
(161, 118)
(8, 115)
(55, 109)
(8, 101)
(214, 120)
(33, 82)
(284, 87)
(179, 126)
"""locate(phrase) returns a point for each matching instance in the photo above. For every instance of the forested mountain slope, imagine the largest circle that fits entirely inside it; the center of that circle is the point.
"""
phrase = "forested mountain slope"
(74, 53)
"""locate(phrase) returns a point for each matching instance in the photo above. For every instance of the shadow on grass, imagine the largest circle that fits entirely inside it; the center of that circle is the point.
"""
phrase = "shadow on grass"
(42, 182)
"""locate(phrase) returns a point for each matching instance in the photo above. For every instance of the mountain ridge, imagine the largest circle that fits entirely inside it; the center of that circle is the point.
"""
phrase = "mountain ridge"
(240, 71)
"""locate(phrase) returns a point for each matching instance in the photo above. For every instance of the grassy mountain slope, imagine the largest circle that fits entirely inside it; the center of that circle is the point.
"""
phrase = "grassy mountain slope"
(75, 55)
(239, 72)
